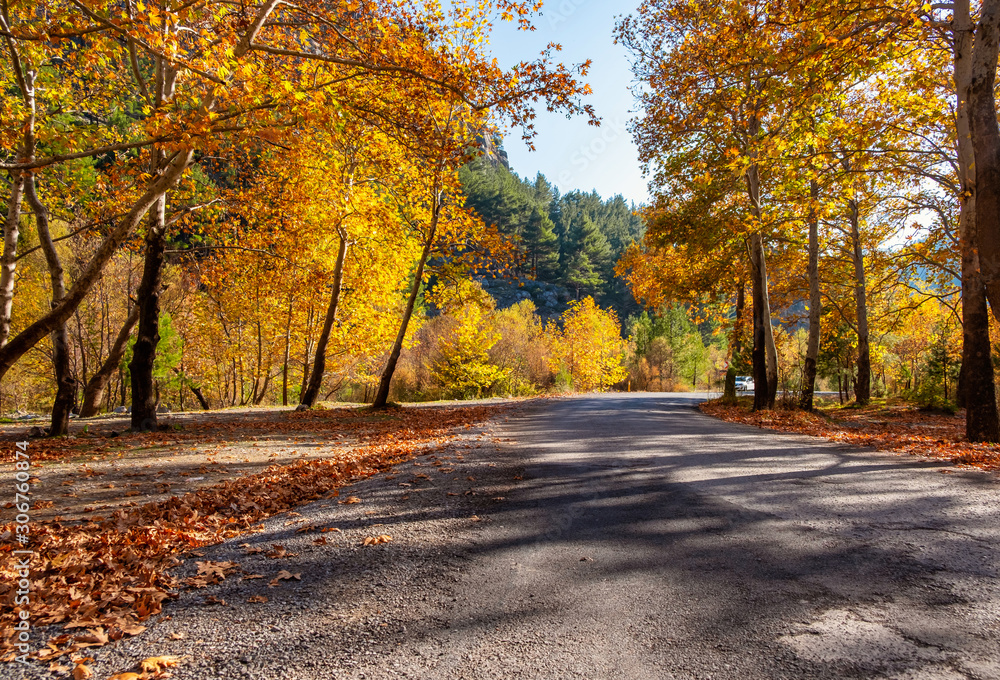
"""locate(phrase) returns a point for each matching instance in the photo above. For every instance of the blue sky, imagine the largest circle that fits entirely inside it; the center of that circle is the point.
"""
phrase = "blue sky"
(570, 153)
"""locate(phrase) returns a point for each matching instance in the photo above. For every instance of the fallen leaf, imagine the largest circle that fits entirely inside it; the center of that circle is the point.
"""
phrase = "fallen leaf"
(284, 575)
(95, 638)
(350, 500)
(117, 571)
(377, 540)
(155, 664)
(82, 672)
(176, 636)
(258, 599)
(215, 569)
(278, 552)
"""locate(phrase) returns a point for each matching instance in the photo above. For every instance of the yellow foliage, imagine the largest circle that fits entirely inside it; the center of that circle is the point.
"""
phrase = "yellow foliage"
(465, 369)
(589, 346)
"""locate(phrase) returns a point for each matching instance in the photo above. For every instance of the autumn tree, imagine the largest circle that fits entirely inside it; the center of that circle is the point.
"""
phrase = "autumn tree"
(465, 368)
(967, 129)
(588, 346)
(201, 74)
(432, 208)
(439, 138)
(714, 100)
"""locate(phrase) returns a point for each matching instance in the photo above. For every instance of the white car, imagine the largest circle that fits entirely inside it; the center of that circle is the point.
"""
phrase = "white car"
(744, 383)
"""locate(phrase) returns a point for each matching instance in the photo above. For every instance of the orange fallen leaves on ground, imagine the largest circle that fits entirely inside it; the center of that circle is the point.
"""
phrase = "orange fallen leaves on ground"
(156, 664)
(278, 552)
(284, 575)
(110, 574)
(153, 667)
(377, 540)
(899, 428)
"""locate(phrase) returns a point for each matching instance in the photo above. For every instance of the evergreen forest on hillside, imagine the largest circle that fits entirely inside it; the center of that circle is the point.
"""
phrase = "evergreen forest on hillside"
(572, 241)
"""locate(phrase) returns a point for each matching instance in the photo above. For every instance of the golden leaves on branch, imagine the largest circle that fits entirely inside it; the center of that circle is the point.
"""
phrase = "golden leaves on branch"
(589, 346)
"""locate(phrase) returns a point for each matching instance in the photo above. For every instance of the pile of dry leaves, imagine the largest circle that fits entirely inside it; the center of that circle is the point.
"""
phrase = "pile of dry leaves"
(103, 578)
(901, 428)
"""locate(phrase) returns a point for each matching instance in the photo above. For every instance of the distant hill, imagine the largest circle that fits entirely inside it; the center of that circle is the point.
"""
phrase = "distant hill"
(568, 244)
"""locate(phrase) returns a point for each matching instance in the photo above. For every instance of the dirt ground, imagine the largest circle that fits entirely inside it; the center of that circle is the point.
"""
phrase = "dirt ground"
(887, 426)
(102, 467)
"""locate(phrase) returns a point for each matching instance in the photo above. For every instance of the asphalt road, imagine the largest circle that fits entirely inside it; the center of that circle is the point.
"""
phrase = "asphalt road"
(613, 536)
(650, 541)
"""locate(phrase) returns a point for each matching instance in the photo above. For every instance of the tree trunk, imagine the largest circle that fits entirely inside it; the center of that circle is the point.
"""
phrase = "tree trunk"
(382, 396)
(8, 263)
(93, 393)
(765, 363)
(257, 390)
(30, 336)
(81, 345)
(766, 357)
(311, 392)
(259, 397)
(737, 344)
(288, 347)
(305, 369)
(196, 391)
(815, 305)
(977, 387)
(986, 147)
(65, 381)
(24, 74)
(863, 385)
(769, 346)
(761, 392)
(144, 399)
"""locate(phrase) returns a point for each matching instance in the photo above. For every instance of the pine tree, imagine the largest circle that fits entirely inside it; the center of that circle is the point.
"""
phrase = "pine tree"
(541, 245)
(586, 257)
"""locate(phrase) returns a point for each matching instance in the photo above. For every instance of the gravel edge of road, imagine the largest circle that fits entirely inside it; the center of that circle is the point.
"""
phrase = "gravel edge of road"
(351, 599)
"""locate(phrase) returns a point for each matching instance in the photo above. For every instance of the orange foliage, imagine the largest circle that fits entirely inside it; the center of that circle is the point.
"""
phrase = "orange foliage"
(110, 574)
(902, 429)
